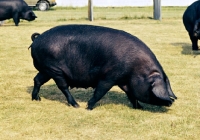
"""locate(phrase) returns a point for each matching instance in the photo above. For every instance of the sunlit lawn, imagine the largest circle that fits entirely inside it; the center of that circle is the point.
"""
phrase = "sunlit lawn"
(113, 117)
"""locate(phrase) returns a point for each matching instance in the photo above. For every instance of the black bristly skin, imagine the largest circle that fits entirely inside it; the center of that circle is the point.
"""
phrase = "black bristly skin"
(85, 56)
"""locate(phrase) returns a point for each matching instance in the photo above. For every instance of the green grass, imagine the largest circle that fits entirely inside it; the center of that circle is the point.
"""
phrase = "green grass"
(113, 118)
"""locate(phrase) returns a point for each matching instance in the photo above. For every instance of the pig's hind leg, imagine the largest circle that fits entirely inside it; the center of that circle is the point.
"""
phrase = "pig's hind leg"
(63, 86)
(194, 41)
(39, 80)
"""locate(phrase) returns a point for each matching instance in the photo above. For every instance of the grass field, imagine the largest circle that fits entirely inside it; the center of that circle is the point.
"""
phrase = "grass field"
(113, 117)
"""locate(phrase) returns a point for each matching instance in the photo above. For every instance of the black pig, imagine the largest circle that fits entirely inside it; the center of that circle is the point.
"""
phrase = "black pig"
(16, 9)
(191, 18)
(99, 57)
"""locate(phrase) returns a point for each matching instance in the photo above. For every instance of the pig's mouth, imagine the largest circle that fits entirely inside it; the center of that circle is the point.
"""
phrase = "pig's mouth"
(167, 102)
(170, 102)
(162, 101)
(31, 19)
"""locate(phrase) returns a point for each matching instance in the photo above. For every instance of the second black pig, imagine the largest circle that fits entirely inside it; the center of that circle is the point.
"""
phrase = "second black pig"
(191, 18)
(16, 9)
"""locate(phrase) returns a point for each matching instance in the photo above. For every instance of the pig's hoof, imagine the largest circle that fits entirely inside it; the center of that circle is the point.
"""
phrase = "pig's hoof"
(36, 98)
(138, 106)
(195, 48)
(89, 108)
(76, 105)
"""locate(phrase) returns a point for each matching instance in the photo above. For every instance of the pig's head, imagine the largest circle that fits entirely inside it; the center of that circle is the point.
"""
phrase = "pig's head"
(155, 90)
(160, 91)
(29, 15)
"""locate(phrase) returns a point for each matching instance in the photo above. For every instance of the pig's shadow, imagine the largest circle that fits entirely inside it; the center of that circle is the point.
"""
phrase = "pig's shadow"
(186, 49)
(51, 92)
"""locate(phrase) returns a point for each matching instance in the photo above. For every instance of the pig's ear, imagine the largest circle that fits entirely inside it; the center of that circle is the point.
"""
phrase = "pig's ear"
(171, 94)
(159, 88)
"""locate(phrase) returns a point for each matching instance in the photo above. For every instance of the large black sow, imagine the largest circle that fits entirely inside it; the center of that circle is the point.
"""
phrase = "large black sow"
(99, 57)
(16, 9)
